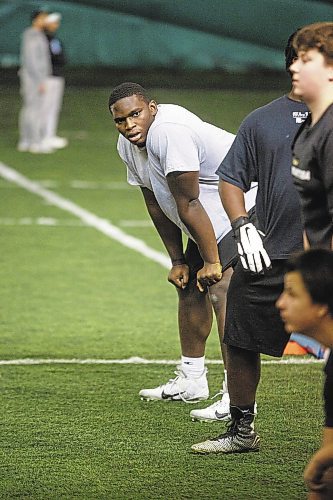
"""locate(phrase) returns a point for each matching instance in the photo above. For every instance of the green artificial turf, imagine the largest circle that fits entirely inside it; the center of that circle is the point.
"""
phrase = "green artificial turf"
(68, 291)
(82, 432)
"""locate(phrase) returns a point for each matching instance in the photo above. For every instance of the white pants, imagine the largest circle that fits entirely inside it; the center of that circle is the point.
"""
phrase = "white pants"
(52, 104)
(31, 118)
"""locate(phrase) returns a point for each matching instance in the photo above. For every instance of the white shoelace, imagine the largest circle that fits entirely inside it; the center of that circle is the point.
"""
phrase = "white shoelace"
(180, 375)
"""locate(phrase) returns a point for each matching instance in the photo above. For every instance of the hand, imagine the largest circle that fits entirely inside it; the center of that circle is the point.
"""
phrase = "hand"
(315, 472)
(179, 275)
(42, 88)
(208, 275)
(253, 255)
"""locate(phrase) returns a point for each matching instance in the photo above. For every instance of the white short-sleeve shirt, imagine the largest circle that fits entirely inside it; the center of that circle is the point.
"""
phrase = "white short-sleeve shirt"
(179, 141)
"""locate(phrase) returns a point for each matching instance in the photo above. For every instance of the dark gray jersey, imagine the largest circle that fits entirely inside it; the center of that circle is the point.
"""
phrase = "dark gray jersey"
(312, 169)
(261, 153)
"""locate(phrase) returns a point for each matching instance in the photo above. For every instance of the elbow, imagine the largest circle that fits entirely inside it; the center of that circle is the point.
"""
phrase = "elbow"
(195, 203)
(224, 187)
(186, 209)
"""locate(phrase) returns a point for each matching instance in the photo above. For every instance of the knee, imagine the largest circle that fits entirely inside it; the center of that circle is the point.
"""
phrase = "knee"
(326, 491)
(242, 357)
(191, 290)
(218, 292)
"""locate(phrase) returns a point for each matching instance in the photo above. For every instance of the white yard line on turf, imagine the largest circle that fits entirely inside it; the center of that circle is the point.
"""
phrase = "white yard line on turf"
(143, 361)
(78, 184)
(117, 234)
(87, 217)
(40, 221)
(53, 222)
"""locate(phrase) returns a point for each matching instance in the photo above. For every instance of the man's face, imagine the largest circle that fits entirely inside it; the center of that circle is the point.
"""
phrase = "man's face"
(298, 312)
(39, 21)
(310, 75)
(133, 117)
(52, 27)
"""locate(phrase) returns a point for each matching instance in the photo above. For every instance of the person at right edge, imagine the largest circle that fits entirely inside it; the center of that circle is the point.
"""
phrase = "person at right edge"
(312, 162)
(306, 306)
(260, 153)
(312, 170)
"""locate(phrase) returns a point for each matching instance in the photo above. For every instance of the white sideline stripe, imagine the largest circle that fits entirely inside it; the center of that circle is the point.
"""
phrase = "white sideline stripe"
(40, 221)
(89, 218)
(78, 184)
(136, 223)
(53, 222)
(142, 361)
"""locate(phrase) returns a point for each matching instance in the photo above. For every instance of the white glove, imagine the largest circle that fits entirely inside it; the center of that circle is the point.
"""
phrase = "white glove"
(253, 255)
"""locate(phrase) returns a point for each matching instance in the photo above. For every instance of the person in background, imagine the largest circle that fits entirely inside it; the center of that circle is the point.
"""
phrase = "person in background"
(306, 306)
(261, 152)
(34, 71)
(55, 85)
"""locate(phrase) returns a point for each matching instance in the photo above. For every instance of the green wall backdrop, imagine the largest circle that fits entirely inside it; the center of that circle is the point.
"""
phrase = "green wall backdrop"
(197, 34)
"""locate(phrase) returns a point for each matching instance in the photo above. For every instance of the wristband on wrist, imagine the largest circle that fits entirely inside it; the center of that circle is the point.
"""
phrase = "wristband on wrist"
(239, 222)
(178, 262)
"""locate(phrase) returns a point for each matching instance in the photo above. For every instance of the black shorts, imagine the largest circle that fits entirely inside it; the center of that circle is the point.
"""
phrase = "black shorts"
(252, 320)
(227, 253)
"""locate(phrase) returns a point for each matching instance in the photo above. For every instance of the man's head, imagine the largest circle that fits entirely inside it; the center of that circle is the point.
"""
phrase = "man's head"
(290, 53)
(313, 70)
(52, 22)
(38, 19)
(307, 299)
(133, 112)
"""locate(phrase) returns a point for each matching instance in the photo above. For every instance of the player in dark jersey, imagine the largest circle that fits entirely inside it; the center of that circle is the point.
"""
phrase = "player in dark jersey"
(55, 84)
(260, 153)
(312, 164)
(312, 170)
(306, 306)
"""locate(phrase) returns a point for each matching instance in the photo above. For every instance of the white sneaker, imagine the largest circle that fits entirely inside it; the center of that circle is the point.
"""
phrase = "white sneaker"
(216, 412)
(23, 147)
(40, 149)
(57, 142)
(180, 388)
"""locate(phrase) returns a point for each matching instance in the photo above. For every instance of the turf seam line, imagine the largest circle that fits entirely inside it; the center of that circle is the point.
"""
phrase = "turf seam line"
(102, 225)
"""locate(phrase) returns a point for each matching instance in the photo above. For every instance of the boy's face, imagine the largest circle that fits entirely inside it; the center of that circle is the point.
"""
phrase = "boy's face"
(298, 312)
(133, 117)
(311, 76)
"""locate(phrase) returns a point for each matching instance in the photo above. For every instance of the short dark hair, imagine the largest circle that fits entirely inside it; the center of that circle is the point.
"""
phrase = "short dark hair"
(289, 52)
(316, 269)
(127, 89)
(36, 13)
(316, 36)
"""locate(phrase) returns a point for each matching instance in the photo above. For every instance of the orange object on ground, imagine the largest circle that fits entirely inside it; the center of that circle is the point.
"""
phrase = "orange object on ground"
(295, 349)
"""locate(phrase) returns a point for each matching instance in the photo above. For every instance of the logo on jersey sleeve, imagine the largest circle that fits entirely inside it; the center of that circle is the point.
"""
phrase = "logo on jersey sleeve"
(300, 116)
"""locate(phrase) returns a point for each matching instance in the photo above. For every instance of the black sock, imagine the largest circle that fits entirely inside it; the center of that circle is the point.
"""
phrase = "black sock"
(238, 412)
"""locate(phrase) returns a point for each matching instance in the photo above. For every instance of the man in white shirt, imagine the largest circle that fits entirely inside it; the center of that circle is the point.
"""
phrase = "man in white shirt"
(173, 156)
(34, 70)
